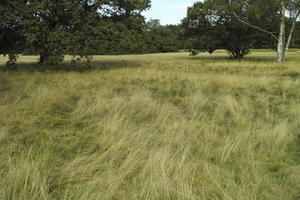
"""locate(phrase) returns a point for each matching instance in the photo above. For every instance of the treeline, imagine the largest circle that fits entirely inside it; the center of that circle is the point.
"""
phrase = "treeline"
(83, 28)
(150, 37)
(119, 38)
(240, 25)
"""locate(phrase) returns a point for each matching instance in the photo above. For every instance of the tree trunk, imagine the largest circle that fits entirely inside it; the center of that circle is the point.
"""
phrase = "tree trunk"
(281, 40)
(289, 39)
(291, 34)
(43, 56)
(237, 53)
(282, 45)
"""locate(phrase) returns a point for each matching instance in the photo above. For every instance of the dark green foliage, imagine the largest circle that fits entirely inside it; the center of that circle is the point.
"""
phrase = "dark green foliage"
(11, 38)
(78, 27)
(162, 38)
(296, 39)
(134, 36)
(82, 28)
(211, 25)
(121, 37)
(12, 59)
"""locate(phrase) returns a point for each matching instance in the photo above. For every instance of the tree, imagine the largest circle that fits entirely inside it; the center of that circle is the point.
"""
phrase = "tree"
(161, 38)
(210, 25)
(11, 38)
(284, 8)
(54, 28)
(135, 36)
(296, 39)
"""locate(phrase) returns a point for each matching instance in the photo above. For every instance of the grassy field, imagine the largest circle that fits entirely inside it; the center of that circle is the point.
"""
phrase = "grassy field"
(152, 127)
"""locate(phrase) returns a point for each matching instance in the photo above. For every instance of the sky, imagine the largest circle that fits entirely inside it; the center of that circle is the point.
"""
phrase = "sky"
(168, 11)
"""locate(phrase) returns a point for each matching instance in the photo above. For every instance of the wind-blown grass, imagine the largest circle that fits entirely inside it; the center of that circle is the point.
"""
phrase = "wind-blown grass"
(149, 127)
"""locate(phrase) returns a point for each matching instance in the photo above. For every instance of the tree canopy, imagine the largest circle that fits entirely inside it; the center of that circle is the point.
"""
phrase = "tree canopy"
(54, 28)
(211, 25)
(285, 11)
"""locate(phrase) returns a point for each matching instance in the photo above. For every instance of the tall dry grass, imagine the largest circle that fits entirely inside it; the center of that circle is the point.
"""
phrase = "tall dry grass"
(151, 127)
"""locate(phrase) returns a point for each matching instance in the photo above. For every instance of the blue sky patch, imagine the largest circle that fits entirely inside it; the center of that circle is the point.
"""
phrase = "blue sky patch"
(168, 11)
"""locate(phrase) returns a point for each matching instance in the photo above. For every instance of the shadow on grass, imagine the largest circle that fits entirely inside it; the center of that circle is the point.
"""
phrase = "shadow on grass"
(294, 75)
(294, 56)
(68, 67)
(227, 58)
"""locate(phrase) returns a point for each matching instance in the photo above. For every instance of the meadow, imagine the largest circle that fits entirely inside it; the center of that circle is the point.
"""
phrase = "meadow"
(152, 127)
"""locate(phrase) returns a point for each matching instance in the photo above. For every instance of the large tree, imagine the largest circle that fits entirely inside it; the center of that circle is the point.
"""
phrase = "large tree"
(286, 10)
(11, 38)
(54, 28)
(211, 25)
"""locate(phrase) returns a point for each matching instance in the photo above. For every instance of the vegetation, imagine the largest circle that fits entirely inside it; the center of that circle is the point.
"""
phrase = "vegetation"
(219, 24)
(287, 10)
(80, 28)
(151, 126)
(211, 25)
(164, 39)
(83, 28)
(161, 126)
(152, 37)
(55, 28)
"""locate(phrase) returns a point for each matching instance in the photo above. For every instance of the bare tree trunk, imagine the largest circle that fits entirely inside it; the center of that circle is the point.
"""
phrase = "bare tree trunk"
(281, 39)
(280, 44)
(289, 38)
(291, 34)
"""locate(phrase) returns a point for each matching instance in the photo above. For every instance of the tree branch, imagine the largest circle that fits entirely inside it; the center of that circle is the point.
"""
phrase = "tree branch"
(256, 27)
(291, 32)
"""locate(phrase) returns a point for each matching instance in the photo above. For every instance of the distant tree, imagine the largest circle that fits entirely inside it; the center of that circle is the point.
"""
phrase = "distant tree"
(210, 26)
(177, 35)
(287, 10)
(120, 38)
(135, 36)
(161, 38)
